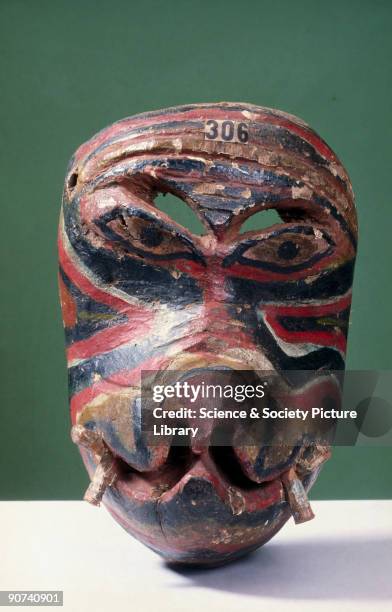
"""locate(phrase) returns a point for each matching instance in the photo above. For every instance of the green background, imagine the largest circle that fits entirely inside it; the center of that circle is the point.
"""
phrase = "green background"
(70, 68)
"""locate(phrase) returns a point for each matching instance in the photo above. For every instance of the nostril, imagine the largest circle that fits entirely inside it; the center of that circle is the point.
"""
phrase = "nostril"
(229, 466)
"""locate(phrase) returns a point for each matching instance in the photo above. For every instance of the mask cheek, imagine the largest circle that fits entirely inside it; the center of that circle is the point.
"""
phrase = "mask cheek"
(116, 417)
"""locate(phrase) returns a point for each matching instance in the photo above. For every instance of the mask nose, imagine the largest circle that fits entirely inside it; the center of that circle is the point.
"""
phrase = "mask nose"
(221, 326)
(208, 394)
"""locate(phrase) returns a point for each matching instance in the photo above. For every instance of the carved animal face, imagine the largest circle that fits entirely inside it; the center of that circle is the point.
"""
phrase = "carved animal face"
(141, 292)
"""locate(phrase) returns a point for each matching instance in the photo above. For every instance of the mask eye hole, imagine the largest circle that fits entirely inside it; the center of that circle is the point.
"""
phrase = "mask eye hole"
(261, 220)
(180, 211)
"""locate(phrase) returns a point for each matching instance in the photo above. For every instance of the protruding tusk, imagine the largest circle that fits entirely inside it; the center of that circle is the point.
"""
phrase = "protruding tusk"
(106, 472)
(296, 497)
(105, 476)
(313, 458)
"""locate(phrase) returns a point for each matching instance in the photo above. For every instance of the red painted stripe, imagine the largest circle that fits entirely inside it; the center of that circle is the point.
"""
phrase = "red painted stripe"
(310, 310)
(334, 338)
(258, 274)
(111, 338)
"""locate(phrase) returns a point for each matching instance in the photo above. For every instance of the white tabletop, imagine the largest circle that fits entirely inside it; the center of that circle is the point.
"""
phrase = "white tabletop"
(342, 560)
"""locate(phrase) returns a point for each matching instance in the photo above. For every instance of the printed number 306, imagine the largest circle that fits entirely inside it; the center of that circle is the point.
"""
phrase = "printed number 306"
(226, 131)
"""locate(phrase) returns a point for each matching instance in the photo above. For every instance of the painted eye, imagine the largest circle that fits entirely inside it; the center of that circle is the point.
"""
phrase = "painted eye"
(285, 250)
(148, 237)
(288, 250)
(151, 236)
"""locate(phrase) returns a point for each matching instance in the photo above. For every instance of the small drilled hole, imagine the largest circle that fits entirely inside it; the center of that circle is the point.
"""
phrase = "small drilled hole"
(73, 179)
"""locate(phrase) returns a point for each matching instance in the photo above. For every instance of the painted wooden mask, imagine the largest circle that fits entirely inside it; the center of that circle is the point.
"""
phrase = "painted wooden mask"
(141, 292)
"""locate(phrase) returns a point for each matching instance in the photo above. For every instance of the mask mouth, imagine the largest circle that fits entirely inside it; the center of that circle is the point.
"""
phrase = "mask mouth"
(216, 465)
(228, 470)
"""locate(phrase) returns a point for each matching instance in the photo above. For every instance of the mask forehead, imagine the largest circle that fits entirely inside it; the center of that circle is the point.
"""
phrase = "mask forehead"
(283, 164)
